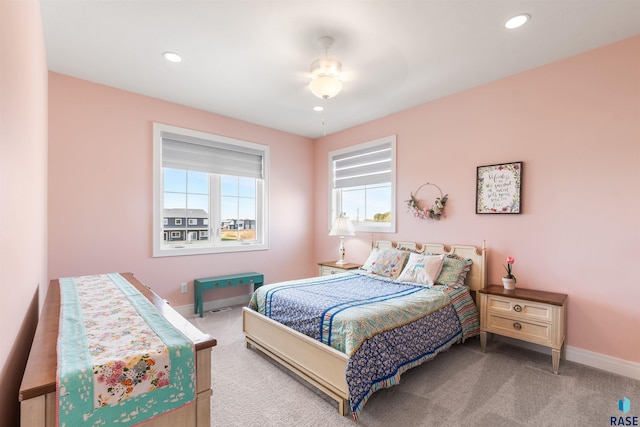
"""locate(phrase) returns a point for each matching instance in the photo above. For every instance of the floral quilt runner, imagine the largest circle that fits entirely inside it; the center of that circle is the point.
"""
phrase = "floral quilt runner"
(119, 361)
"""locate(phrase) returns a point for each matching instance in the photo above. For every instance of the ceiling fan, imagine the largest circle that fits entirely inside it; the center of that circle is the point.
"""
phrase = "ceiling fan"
(326, 72)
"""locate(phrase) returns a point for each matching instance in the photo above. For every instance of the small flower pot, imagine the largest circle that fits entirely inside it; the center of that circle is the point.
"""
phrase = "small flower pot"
(509, 284)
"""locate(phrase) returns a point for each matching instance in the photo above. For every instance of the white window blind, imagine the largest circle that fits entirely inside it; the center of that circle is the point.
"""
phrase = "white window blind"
(191, 153)
(370, 165)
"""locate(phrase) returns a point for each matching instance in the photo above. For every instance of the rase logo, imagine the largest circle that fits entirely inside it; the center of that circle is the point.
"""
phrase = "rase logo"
(624, 406)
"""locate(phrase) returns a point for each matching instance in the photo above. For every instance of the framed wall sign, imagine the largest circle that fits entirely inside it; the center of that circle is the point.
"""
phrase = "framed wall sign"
(498, 189)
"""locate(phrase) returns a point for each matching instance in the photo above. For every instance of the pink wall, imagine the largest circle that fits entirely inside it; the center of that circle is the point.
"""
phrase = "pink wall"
(100, 191)
(576, 125)
(23, 197)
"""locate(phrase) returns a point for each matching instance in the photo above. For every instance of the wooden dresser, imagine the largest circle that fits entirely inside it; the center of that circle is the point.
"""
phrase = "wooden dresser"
(537, 317)
(38, 388)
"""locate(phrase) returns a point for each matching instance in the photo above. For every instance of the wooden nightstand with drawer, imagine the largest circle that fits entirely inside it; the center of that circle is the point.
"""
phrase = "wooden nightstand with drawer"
(330, 267)
(537, 317)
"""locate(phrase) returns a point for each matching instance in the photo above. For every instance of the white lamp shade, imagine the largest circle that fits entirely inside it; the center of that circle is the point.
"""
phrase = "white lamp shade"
(342, 226)
(325, 86)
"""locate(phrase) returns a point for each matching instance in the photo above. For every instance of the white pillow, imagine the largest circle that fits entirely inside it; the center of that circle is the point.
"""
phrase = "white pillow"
(370, 260)
(422, 269)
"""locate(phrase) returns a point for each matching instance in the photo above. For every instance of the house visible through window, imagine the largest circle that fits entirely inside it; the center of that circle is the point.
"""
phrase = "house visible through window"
(210, 193)
(362, 186)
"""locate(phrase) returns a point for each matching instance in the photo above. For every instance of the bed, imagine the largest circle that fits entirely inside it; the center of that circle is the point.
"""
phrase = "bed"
(38, 389)
(315, 350)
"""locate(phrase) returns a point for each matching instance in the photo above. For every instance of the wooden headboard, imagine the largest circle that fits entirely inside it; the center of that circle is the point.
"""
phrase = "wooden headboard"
(477, 276)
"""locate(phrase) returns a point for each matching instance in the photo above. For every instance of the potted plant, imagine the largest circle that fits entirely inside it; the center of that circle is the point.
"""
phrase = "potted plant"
(509, 281)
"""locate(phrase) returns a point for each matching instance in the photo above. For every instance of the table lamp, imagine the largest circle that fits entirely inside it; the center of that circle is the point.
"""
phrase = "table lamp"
(342, 226)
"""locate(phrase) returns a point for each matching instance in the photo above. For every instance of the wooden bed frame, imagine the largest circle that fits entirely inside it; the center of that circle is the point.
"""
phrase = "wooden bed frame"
(38, 389)
(321, 365)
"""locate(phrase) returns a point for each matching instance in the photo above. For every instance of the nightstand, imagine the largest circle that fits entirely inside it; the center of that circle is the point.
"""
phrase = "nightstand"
(330, 267)
(537, 317)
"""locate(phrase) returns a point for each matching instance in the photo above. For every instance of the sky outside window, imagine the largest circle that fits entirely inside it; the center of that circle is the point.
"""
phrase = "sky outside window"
(186, 189)
(362, 203)
(238, 197)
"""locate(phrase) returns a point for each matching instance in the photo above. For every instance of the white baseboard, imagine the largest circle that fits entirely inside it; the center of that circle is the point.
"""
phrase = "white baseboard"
(187, 310)
(604, 362)
(585, 357)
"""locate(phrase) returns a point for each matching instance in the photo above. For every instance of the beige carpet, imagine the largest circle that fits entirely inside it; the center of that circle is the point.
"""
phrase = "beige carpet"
(507, 386)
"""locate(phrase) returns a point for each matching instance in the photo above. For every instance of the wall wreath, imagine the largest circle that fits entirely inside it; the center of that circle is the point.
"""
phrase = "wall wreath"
(435, 211)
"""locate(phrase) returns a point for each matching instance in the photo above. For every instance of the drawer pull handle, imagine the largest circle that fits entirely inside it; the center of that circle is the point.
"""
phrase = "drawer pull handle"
(517, 308)
(517, 326)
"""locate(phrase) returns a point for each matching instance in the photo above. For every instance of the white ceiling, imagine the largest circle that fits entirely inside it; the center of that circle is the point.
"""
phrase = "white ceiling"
(250, 59)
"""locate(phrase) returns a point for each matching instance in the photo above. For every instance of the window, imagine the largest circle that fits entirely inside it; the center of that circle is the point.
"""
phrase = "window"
(210, 193)
(362, 185)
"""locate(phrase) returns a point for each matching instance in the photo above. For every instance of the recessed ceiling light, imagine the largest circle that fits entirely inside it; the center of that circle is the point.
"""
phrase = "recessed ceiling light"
(517, 21)
(318, 108)
(172, 56)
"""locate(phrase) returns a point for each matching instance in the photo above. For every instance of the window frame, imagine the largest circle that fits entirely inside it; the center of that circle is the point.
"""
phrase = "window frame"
(214, 244)
(334, 194)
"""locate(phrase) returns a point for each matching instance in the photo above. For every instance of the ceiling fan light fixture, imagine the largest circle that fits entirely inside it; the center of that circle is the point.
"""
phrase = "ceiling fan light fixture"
(326, 72)
(325, 86)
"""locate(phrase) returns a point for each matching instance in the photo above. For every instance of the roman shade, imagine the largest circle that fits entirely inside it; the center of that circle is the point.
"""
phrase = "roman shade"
(195, 154)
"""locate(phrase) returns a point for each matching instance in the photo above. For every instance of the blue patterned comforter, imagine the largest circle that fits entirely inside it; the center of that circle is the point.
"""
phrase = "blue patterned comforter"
(385, 327)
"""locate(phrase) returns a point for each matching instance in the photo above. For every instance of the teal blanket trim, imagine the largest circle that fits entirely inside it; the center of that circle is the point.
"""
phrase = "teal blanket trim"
(74, 388)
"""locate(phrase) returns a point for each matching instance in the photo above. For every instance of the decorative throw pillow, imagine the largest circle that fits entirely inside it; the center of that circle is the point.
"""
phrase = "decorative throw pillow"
(370, 260)
(422, 269)
(454, 270)
(385, 262)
